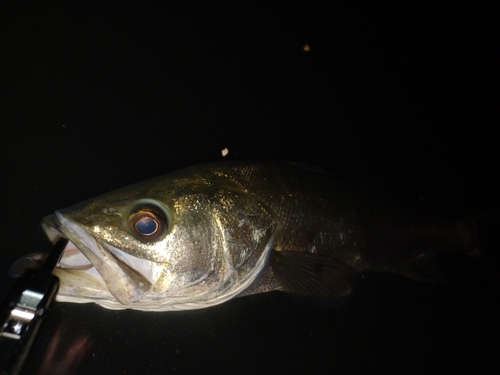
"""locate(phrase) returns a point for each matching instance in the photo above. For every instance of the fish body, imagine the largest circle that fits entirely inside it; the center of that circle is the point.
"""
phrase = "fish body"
(202, 235)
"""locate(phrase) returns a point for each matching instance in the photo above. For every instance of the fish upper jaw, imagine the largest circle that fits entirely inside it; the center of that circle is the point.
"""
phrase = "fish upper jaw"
(127, 278)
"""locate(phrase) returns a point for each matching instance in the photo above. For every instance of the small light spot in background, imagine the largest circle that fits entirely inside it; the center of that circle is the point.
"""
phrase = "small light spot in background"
(306, 48)
(225, 152)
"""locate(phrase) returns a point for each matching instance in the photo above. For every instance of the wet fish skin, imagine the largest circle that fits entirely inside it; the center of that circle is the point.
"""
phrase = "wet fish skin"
(229, 225)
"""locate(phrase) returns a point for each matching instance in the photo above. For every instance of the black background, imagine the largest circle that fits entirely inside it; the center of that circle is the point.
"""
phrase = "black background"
(97, 95)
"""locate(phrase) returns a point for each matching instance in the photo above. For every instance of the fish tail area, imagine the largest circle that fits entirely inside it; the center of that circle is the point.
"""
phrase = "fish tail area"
(487, 251)
(468, 239)
(314, 280)
(473, 241)
(424, 267)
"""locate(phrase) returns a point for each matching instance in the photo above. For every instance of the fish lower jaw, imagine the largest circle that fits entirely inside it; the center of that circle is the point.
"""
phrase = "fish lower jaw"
(98, 266)
(74, 259)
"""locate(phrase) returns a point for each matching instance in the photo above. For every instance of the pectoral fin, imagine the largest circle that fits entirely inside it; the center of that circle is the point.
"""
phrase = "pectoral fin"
(321, 281)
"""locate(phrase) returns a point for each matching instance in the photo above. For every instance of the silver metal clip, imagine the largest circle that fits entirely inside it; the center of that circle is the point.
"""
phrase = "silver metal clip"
(24, 309)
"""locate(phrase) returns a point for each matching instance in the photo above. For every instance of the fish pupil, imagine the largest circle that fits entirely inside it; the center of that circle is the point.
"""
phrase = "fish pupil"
(147, 226)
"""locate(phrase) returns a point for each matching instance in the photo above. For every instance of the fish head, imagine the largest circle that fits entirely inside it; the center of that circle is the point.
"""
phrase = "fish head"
(173, 243)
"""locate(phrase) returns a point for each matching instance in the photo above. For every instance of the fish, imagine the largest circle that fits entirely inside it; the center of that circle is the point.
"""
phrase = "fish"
(205, 234)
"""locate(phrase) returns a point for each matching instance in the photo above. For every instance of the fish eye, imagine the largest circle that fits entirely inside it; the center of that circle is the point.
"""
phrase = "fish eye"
(147, 224)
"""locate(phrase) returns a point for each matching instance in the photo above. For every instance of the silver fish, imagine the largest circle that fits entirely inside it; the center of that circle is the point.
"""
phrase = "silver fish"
(205, 234)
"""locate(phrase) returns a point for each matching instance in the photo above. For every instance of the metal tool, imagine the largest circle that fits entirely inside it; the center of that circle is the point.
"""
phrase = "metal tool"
(24, 309)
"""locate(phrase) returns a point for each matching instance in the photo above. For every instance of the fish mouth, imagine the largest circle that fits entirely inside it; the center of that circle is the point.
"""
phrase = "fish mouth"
(92, 270)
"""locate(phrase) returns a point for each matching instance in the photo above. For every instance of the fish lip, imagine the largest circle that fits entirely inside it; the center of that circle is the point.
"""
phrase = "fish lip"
(52, 228)
(114, 266)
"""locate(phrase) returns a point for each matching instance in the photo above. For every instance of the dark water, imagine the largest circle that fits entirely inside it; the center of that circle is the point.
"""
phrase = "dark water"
(405, 95)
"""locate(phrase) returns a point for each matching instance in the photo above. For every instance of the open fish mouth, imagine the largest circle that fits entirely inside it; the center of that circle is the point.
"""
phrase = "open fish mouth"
(92, 270)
